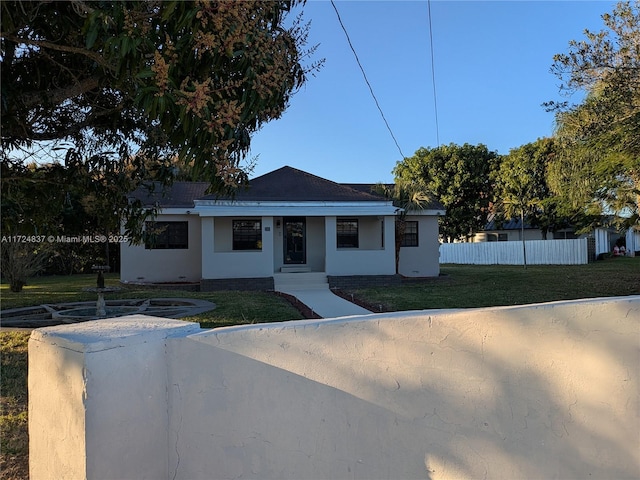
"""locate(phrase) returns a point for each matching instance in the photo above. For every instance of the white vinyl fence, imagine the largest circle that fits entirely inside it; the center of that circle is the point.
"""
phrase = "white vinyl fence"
(539, 252)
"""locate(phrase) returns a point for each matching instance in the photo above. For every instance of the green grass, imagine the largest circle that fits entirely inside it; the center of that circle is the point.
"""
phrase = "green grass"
(14, 438)
(232, 307)
(465, 286)
(460, 286)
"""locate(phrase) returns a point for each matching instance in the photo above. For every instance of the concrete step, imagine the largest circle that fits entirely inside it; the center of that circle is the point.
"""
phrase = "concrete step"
(300, 280)
(295, 269)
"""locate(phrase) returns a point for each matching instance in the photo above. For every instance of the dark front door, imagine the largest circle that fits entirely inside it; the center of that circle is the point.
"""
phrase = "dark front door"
(295, 241)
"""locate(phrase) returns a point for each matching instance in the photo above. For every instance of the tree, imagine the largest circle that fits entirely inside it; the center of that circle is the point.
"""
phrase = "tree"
(407, 198)
(521, 187)
(524, 172)
(21, 260)
(150, 78)
(459, 177)
(599, 169)
(52, 200)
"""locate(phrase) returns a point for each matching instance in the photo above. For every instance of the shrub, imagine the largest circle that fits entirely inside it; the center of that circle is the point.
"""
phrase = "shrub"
(21, 261)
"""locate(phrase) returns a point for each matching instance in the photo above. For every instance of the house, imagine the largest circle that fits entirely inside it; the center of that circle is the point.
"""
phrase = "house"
(511, 230)
(286, 221)
(604, 238)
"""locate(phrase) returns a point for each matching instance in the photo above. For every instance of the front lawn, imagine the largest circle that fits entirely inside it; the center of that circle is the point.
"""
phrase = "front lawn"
(465, 286)
(460, 286)
(232, 307)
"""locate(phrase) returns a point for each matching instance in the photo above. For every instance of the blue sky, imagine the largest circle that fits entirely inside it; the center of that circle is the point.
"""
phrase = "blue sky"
(492, 61)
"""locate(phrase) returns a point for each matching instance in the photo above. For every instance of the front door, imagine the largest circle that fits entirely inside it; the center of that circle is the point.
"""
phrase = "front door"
(295, 242)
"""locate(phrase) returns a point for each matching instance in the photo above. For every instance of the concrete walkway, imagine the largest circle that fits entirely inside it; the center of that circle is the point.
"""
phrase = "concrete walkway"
(313, 290)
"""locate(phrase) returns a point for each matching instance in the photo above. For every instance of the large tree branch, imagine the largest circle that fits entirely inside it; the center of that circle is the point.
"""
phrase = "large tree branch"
(77, 127)
(32, 99)
(96, 57)
(56, 134)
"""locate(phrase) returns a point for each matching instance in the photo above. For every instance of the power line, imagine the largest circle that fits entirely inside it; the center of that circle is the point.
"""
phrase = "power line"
(366, 79)
(433, 76)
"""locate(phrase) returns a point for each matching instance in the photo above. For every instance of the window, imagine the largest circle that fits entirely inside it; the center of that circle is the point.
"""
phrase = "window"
(247, 235)
(410, 238)
(167, 235)
(347, 229)
(503, 237)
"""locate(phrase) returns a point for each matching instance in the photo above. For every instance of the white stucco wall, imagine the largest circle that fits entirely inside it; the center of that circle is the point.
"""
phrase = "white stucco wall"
(315, 243)
(423, 260)
(98, 399)
(540, 391)
(370, 233)
(219, 260)
(138, 264)
(360, 261)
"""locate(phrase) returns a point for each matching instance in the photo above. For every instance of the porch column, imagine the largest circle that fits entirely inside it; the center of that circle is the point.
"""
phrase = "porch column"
(207, 248)
(330, 240)
(267, 243)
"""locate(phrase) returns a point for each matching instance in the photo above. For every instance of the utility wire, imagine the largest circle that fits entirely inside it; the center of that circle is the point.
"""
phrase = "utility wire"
(433, 75)
(366, 79)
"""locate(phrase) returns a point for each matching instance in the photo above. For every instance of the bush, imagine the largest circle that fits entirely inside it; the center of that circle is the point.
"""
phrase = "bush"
(21, 261)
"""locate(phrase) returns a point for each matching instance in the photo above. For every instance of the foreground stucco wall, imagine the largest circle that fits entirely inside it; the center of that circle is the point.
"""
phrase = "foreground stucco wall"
(98, 399)
(543, 391)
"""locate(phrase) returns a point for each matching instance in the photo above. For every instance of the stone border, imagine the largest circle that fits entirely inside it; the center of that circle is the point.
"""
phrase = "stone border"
(42, 315)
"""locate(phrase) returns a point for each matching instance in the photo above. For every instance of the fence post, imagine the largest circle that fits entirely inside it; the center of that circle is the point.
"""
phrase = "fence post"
(98, 398)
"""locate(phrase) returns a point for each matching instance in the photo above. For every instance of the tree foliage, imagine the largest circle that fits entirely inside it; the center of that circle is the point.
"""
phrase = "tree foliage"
(110, 90)
(522, 187)
(599, 169)
(459, 177)
(192, 78)
(407, 198)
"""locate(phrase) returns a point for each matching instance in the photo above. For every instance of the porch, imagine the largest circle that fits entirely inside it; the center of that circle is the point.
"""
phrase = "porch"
(267, 246)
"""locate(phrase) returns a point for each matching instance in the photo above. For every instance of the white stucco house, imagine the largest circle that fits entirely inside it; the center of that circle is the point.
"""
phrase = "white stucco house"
(286, 221)
(604, 238)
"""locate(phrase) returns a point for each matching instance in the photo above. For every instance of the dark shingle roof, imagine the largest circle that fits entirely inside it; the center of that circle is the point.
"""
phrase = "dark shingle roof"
(180, 194)
(283, 184)
(291, 184)
(507, 224)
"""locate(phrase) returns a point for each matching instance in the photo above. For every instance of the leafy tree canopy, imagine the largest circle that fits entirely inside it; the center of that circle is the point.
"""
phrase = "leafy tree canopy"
(599, 169)
(459, 177)
(522, 187)
(150, 78)
(113, 94)
(408, 198)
